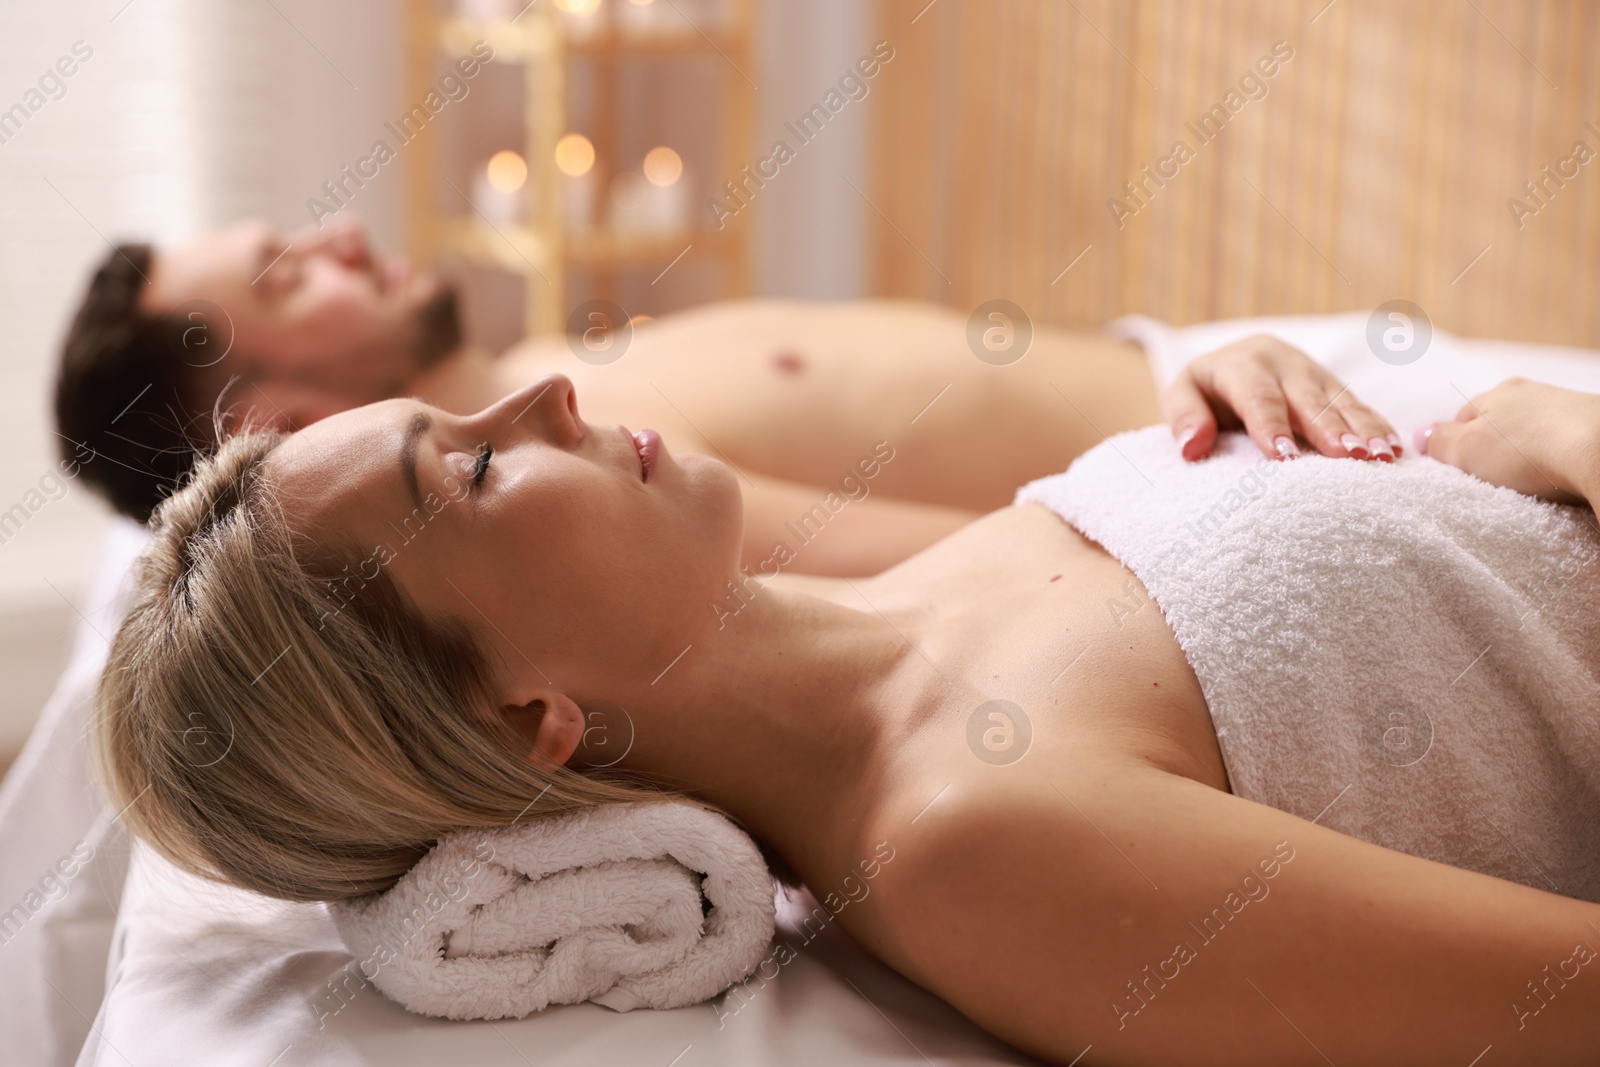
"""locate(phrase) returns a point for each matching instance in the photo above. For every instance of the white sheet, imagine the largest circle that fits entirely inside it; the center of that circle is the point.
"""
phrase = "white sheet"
(212, 976)
(1434, 387)
(220, 978)
(53, 970)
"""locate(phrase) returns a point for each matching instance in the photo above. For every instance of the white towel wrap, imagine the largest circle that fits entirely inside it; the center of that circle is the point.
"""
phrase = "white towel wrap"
(602, 904)
(1403, 650)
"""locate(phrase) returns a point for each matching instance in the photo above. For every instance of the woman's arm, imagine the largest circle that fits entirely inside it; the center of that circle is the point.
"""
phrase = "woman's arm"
(1275, 393)
(1589, 484)
(1535, 438)
(1154, 920)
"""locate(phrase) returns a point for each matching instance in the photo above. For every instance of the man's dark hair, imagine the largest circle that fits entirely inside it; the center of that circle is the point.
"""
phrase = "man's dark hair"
(121, 396)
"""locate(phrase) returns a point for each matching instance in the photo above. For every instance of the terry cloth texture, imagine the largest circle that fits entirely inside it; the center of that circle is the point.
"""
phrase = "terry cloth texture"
(1402, 652)
(603, 904)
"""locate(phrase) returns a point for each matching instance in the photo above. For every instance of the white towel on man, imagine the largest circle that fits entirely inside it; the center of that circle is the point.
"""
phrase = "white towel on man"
(603, 904)
(1402, 652)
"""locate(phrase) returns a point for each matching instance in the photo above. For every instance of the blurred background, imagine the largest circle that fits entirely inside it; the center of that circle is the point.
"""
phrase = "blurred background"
(664, 153)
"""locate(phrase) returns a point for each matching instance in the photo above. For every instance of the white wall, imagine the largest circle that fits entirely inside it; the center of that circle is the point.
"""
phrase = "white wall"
(809, 226)
(189, 113)
(68, 173)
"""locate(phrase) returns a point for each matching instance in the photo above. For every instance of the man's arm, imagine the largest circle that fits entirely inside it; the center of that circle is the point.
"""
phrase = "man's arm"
(794, 528)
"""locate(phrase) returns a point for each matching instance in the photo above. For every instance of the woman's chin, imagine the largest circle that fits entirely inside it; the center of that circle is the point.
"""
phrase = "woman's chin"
(699, 466)
(721, 498)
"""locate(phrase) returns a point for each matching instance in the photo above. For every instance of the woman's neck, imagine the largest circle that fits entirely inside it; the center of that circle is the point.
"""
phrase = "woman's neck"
(785, 717)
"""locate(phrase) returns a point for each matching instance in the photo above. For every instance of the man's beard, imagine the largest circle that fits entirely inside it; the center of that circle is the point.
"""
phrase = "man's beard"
(438, 328)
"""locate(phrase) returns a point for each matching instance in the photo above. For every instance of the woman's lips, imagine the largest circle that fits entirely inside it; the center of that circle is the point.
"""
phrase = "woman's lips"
(648, 445)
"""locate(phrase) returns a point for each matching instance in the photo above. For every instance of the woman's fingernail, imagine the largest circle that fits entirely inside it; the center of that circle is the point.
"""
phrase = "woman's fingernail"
(1352, 444)
(1185, 437)
(1286, 447)
(1380, 450)
(1394, 443)
(1420, 438)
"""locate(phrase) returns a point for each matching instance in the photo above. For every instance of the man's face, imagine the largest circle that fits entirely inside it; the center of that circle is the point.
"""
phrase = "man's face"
(312, 323)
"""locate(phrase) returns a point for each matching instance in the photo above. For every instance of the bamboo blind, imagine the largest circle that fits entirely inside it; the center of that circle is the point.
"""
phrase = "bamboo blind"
(1378, 165)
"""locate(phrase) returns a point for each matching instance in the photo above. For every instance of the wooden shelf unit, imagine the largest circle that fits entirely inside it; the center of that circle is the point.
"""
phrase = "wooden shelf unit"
(541, 249)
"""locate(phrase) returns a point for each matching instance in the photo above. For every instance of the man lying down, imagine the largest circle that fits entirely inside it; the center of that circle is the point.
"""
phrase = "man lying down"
(871, 420)
(1243, 729)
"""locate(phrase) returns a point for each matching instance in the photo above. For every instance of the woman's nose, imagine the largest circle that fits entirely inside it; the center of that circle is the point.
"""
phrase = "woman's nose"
(548, 405)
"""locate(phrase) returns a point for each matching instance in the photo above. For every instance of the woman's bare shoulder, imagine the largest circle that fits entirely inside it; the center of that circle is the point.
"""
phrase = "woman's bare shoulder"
(1154, 920)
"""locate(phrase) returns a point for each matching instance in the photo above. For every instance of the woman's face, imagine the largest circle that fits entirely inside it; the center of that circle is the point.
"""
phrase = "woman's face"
(536, 529)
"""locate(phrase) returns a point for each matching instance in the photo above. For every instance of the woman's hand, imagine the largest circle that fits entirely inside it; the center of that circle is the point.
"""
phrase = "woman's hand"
(1528, 436)
(1275, 391)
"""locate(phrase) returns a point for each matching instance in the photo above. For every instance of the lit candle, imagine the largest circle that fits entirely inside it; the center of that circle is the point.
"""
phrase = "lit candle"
(667, 196)
(575, 161)
(582, 18)
(496, 190)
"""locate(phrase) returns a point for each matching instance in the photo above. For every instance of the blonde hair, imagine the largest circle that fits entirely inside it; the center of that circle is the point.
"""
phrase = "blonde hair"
(259, 738)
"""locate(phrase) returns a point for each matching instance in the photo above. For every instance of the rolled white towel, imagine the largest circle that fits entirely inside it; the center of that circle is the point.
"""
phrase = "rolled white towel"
(602, 904)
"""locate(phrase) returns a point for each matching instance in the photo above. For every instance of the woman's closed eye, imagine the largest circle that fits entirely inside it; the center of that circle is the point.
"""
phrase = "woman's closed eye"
(473, 466)
(481, 467)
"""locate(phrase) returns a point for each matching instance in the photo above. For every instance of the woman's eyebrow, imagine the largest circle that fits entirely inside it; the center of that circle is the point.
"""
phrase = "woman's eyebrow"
(419, 424)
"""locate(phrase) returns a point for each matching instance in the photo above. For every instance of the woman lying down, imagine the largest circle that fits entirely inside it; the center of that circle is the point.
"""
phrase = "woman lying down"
(1269, 758)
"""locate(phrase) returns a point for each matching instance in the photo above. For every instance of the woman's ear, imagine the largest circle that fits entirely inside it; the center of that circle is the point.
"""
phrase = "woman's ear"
(552, 723)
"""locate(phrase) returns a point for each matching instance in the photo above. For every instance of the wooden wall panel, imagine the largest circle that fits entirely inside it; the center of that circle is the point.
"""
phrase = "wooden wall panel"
(1378, 165)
